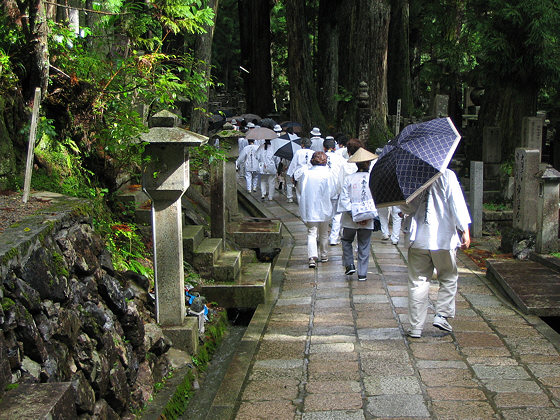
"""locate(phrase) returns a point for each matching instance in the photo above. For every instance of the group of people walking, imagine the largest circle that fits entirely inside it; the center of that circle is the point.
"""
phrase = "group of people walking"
(331, 179)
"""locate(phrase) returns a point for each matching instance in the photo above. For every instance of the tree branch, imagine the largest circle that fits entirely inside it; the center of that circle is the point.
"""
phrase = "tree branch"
(81, 9)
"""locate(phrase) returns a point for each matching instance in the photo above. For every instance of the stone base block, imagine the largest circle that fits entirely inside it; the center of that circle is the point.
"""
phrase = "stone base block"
(252, 288)
(184, 337)
(39, 401)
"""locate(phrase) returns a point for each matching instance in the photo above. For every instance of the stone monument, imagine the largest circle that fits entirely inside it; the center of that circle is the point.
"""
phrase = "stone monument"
(547, 211)
(526, 189)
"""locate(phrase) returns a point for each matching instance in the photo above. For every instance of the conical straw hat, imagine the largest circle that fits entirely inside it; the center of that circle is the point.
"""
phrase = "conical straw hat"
(362, 155)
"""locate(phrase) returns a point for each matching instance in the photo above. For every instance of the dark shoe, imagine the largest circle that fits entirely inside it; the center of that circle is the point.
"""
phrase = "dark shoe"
(350, 269)
(364, 278)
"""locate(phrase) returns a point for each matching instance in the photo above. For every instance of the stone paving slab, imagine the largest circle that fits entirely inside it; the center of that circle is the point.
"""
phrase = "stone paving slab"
(335, 348)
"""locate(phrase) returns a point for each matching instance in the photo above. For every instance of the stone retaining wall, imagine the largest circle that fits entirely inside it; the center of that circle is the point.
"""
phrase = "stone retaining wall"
(67, 316)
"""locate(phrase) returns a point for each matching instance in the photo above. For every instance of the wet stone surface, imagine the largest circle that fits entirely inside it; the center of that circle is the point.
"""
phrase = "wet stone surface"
(350, 358)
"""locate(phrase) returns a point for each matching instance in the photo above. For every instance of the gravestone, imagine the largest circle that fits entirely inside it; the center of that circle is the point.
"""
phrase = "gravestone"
(165, 178)
(526, 189)
(547, 211)
(441, 105)
(476, 190)
(491, 151)
(532, 133)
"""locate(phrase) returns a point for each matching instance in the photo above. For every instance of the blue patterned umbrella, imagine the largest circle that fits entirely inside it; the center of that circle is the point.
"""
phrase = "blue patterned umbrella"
(413, 160)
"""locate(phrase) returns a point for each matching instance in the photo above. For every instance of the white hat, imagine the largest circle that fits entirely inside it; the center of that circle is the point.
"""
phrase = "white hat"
(277, 128)
(233, 121)
(329, 138)
(315, 132)
(250, 125)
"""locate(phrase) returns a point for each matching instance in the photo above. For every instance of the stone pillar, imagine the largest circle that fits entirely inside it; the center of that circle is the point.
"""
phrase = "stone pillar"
(475, 197)
(491, 151)
(364, 115)
(165, 178)
(230, 178)
(532, 133)
(526, 189)
(218, 213)
(547, 211)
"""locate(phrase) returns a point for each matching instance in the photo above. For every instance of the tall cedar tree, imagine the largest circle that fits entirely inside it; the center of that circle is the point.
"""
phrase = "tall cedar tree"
(203, 52)
(255, 36)
(304, 106)
(365, 59)
(399, 84)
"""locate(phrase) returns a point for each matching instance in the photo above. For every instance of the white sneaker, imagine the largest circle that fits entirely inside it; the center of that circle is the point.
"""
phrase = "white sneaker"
(441, 322)
(414, 333)
(385, 238)
(290, 200)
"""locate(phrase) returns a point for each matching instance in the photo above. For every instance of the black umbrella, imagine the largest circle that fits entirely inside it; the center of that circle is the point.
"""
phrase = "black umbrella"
(414, 159)
(295, 126)
(286, 145)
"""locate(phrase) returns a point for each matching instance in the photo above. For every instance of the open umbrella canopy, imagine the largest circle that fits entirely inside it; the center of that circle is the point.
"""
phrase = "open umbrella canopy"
(250, 117)
(413, 160)
(296, 127)
(285, 146)
(261, 133)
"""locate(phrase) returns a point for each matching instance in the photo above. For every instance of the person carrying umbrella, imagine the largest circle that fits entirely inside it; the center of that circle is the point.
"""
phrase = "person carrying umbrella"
(354, 192)
(440, 224)
(248, 160)
(268, 167)
(315, 206)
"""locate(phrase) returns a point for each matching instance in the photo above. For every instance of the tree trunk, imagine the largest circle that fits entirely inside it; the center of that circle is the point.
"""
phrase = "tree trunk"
(399, 84)
(327, 59)
(504, 107)
(203, 53)
(35, 29)
(255, 36)
(304, 106)
(366, 58)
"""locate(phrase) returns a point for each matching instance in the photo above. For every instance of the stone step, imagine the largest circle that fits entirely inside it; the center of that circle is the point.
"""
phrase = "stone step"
(132, 197)
(192, 237)
(251, 289)
(228, 267)
(39, 401)
(206, 254)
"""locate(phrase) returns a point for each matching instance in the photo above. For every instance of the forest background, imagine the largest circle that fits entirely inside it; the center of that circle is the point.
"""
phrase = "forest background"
(97, 61)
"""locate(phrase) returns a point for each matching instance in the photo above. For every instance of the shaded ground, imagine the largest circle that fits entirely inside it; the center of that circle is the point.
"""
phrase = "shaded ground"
(13, 209)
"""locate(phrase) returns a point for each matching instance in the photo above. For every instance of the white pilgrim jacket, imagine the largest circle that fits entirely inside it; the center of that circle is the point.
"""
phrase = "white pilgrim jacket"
(248, 156)
(438, 213)
(317, 189)
(355, 190)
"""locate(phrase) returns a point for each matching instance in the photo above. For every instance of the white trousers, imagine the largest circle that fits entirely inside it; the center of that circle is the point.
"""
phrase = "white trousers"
(335, 228)
(384, 214)
(421, 264)
(268, 181)
(320, 231)
(251, 179)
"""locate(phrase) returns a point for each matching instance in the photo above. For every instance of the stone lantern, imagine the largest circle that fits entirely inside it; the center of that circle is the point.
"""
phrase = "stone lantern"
(165, 178)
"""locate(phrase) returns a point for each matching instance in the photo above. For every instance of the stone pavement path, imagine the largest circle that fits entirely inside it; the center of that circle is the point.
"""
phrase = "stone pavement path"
(335, 348)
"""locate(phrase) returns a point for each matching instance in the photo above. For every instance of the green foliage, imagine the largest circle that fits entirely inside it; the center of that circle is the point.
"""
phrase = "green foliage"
(127, 248)
(11, 42)
(518, 40)
(205, 155)
(496, 206)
